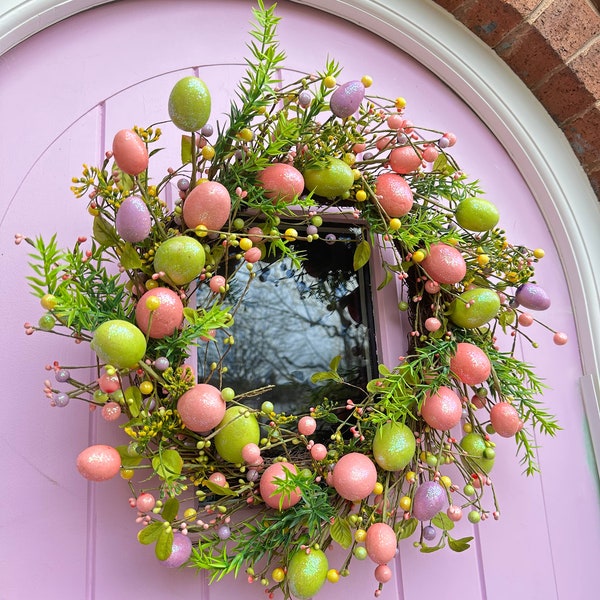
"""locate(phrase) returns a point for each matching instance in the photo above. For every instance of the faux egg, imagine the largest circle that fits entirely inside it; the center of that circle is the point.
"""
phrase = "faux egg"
(269, 488)
(505, 419)
(477, 214)
(133, 221)
(165, 319)
(130, 152)
(208, 204)
(428, 501)
(346, 99)
(470, 364)
(99, 462)
(532, 296)
(181, 550)
(201, 408)
(381, 543)
(475, 308)
(354, 476)
(281, 181)
(442, 409)
(180, 258)
(393, 194)
(444, 264)
(405, 159)
(238, 428)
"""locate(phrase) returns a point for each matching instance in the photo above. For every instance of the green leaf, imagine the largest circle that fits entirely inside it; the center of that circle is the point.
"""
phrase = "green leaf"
(340, 532)
(335, 362)
(429, 549)
(325, 376)
(361, 255)
(191, 316)
(186, 149)
(130, 258)
(170, 508)
(133, 397)
(442, 521)
(168, 464)
(388, 277)
(459, 545)
(150, 533)
(405, 529)
(164, 544)
(383, 370)
(219, 489)
(126, 459)
(374, 386)
(104, 232)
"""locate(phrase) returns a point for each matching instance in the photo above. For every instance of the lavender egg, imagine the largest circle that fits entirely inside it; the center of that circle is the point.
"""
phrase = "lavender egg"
(347, 98)
(429, 500)
(181, 551)
(133, 221)
(532, 296)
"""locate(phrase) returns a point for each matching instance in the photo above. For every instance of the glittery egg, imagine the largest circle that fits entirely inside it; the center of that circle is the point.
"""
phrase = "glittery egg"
(428, 501)
(281, 182)
(505, 419)
(201, 408)
(165, 319)
(470, 364)
(346, 99)
(99, 462)
(354, 476)
(381, 543)
(207, 204)
(405, 160)
(532, 296)
(133, 222)
(475, 308)
(393, 194)
(442, 409)
(269, 488)
(180, 551)
(444, 264)
(130, 152)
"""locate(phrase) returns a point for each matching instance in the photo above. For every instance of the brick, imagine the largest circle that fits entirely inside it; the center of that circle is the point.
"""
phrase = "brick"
(528, 54)
(583, 134)
(587, 68)
(489, 20)
(564, 95)
(568, 25)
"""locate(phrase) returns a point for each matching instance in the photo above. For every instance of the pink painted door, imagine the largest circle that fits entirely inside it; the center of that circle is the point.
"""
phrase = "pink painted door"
(64, 94)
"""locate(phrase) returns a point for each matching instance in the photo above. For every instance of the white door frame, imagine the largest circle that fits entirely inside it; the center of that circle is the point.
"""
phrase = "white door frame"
(521, 124)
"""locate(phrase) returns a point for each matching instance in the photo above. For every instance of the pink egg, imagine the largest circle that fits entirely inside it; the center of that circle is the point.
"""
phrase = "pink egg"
(99, 463)
(532, 296)
(307, 426)
(133, 221)
(130, 152)
(405, 159)
(201, 408)
(180, 551)
(165, 319)
(318, 452)
(268, 487)
(442, 410)
(207, 204)
(470, 364)
(505, 419)
(346, 99)
(381, 543)
(444, 264)
(354, 476)
(393, 194)
(281, 182)
(428, 501)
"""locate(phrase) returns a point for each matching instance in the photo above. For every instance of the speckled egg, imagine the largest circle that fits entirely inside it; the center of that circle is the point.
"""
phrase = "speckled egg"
(133, 221)
(354, 476)
(470, 364)
(405, 159)
(208, 204)
(532, 296)
(165, 319)
(281, 182)
(444, 264)
(180, 551)
(99, 462)
(381, 543)
(201, 408)
(428, 501)
(268, 486)
(505, 419)
(475, 308)
(442, 409)
(130, 152)
(393, 194)
(345, 101)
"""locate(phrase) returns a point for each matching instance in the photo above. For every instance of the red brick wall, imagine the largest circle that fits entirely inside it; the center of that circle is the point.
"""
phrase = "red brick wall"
(554, 47)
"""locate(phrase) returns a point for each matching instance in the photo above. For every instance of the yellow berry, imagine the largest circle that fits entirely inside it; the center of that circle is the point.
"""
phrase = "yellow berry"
(152, 302)
(411, 477)
(405, 503)
(367, 80)
(349, 158)
(93, 211)
(190, 514)
(360, 535)
(400, 103)
(361, 196)
(418, 256)
(278, 574)
(329, 81)
(208, 152)
(290, 234)
(356, 174)
(201, 231)
(246, 134)
(151, 284)
(245, 244)
(146, 387)
(127, 474)
(539, 253)
(333, 575)
(395, 224)
(48, 301)
(446, 481)
(483, 260)
(378, 488)
(467, 428)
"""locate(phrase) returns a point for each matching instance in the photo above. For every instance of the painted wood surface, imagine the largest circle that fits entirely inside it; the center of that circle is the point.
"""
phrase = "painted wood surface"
(63, 95)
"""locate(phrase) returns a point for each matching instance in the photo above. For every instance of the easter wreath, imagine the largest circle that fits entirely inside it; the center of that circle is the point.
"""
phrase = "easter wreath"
(362, 466)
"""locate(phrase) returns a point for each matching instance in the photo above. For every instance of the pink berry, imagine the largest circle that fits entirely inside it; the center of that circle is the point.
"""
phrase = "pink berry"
(560, 338)
(145, 502)
(318, 452)
(307, 426)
